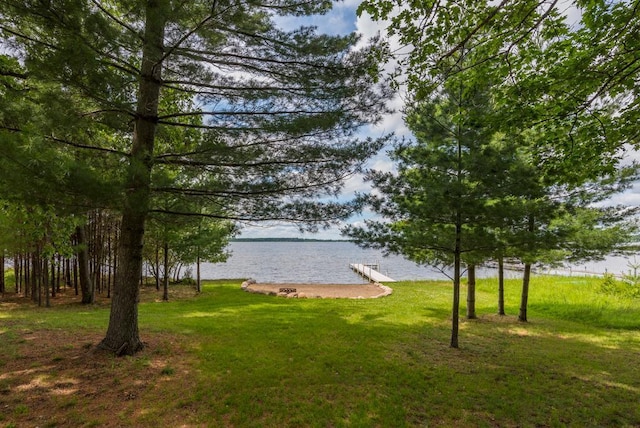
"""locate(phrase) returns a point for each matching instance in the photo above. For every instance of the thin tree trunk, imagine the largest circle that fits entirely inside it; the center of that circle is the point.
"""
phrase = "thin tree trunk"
(35, 283)
(26, 274)
(17, 269)
(2, 285)
(86, 284)
(455, 312)
(122, 335)
(457, 252)
(501, 286)
(53, 276)
(75, 274)
(198, 286)
(59, 272)
(524, 299)
(67, 272)
(455, 316)
(157, 275)
(471, 292)
(176, 272)
(45, 280)
(116, 254)
(165, 281)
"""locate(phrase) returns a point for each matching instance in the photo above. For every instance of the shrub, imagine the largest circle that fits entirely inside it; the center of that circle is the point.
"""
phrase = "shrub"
(628, 287)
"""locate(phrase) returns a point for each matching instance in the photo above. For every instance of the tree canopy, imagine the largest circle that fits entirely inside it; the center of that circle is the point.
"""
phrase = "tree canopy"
(253, 122)
(512, 147)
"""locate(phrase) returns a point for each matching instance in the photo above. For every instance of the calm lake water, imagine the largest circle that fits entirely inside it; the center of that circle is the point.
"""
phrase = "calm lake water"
(328, 262)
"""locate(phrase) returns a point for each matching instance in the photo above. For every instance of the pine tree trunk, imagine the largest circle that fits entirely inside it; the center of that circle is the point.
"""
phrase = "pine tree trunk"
(526, 277)
(35, 283)
(165, 281)
(471, 292)
(157, 267)
(45, 281)
(457, 252)
(524, 299)
(17, 269)
(86, 284)
(122, 335)
(455, 312)
(501, 286)
(67, 272)
(455, 317)
(198, 286)
(2, 285)
(109, 259)
(53, 277)
(59, 273)
(75, 275)
(26, 274)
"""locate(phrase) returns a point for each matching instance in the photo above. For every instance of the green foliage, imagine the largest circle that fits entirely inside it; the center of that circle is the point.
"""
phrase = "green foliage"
(25, 228)
(9, 278)
(542, 158)
(190, 109)
(167, 371)
(612, 286)
(251, 134)
(627, 287)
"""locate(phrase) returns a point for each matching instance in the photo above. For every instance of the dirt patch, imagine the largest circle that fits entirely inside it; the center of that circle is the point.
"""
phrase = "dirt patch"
(54, 378)
(336, 291)
(58, 378)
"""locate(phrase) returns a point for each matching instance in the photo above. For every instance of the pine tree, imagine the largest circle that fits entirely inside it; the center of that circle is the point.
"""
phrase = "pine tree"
(275, 111)
(440, 201)
(561, 132)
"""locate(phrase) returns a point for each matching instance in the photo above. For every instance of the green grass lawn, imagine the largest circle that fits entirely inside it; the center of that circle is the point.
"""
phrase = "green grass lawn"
(255, 360)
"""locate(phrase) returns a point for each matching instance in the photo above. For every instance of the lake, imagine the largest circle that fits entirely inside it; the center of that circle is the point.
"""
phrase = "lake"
(328, 262)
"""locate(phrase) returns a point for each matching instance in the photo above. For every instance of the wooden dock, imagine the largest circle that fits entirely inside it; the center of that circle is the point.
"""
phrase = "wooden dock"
(368, 271)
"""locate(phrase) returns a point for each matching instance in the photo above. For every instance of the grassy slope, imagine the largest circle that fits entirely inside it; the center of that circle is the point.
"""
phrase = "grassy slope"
(257, 360)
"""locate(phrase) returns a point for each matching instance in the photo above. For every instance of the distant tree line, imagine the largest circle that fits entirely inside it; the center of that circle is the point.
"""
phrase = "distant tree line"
(48, 253)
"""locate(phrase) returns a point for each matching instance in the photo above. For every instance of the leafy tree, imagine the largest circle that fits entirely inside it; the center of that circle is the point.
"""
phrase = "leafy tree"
(204, 241)
(278, 110)
(184, 241)
(39, 234)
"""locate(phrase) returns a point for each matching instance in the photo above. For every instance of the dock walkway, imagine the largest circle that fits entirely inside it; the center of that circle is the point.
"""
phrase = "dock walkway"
(369, 272)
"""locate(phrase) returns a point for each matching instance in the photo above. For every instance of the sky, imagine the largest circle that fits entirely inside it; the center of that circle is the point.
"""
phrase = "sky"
(343, 20)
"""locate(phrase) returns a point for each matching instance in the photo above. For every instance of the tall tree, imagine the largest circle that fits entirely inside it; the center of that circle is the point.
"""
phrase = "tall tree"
(278, 109)
(438, 207)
